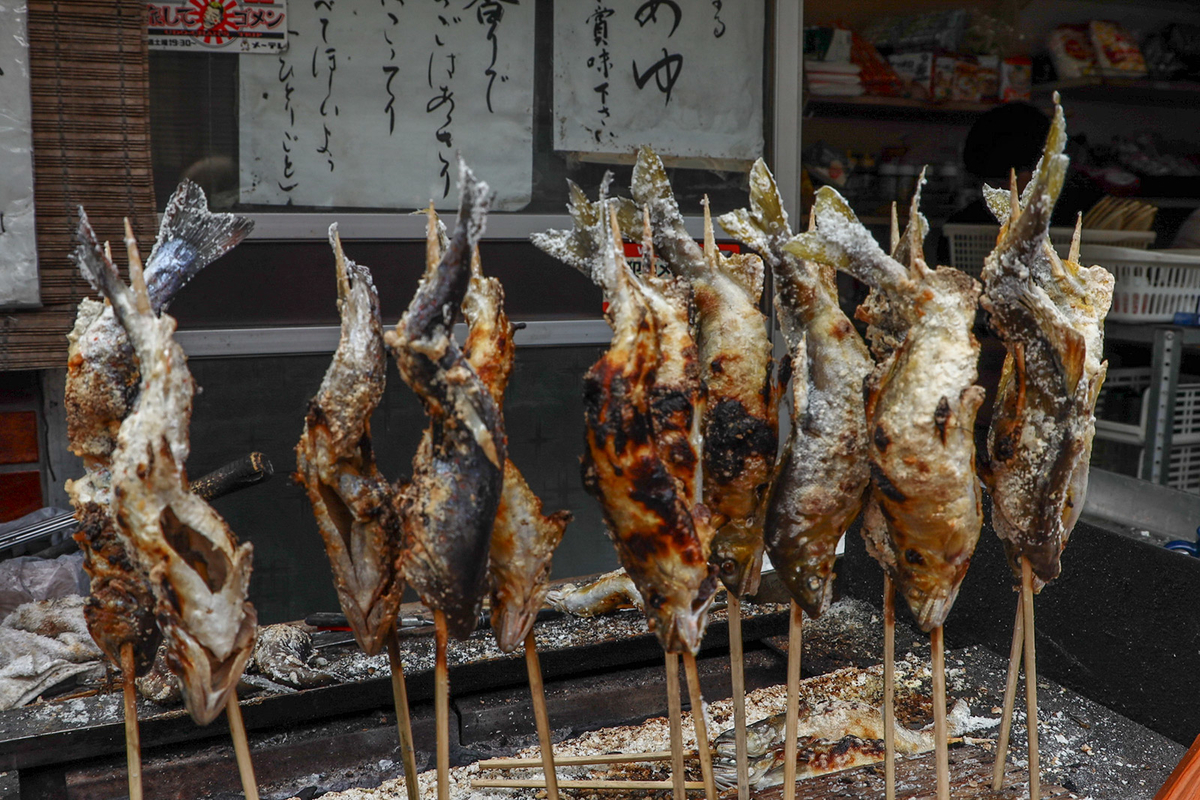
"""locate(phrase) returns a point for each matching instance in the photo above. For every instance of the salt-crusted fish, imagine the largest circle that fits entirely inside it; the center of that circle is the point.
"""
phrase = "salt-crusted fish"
(523, 539)
(660, 533)
(448, 509)
(101, 388)
(920, 409)
(1049, 312)
(610, 592)
(823, 475)
(335, 462)
(198, 572)
(740, 419)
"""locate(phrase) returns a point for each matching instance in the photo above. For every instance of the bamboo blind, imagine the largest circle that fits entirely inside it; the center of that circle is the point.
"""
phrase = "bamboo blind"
(89, 84)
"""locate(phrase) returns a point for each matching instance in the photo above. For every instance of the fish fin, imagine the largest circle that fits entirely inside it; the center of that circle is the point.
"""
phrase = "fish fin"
(433, 250)
(190, 237)
(1073, 255)
(839, 234)
(580, 247)
(95, 261)
(998, 203)
(339, 259)
(894, 238)
(137, 276)
(912, 245)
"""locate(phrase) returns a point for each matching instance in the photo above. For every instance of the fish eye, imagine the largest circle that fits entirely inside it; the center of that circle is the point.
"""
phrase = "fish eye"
(728, 567)
(814, 583)
(656, 600)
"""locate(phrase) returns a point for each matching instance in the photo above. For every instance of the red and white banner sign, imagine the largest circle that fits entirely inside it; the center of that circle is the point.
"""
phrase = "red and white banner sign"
(240, 26)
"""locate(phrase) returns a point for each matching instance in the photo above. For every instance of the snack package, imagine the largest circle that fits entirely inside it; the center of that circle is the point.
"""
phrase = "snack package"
(878, 77)
(944, 69)
(1117, 53)
(1071, 50)
(916, 70)
(1016, 78)
(988, 77)
(965, 87)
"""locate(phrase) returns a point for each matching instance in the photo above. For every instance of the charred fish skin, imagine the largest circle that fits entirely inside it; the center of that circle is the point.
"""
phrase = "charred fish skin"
(740, 421)
(610, 592)
(198, 572)
(822, 477)
(659, 532)
(1049, 312)
(102, 386)
(335, 463)
(920, 409)
(523, 538)
(449, 508)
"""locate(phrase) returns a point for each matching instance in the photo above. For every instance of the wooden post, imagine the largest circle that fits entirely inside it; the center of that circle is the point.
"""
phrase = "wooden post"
(542, 717)
(1031, 704)
(441, 706)
(408, 755)
(1010, 696)
(241, 747)
(889, 686)
(795, 643)
(940, 736)
(675, 718)
(738, 677)
(701, 725)
(133, 742)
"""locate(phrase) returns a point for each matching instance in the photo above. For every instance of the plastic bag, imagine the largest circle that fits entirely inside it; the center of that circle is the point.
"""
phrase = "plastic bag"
(26, 579)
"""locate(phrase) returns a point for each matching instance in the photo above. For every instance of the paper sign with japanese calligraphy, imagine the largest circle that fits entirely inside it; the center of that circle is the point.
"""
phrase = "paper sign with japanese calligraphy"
(242, 26)
(683, 76)
(18, 242)
(374, 99)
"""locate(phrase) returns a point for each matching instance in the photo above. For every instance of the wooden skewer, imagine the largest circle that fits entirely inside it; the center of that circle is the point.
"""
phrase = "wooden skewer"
(701, 725)
(133, 742)
(441, 705)
(241, 747)
(738, 677)
(941, 740)
(1010, 696)
(1031, 705)
(538, 694)
(889, 688)
(675, 719)
(580, 761)
(795, 642)
(534, 783)
(408, 755)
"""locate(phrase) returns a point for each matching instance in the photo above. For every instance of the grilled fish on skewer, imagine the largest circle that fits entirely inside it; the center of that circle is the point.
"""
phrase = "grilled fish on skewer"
(102, 386)
(823, 475)
(740, 421)
(335, 463)
(661, 538)
(523, 539)
(1050, 314)
(449, 508)
(198, 571)
(921, 405)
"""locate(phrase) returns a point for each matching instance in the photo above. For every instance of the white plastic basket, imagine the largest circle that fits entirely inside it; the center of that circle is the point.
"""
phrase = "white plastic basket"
(970, 244)
(1151, 284)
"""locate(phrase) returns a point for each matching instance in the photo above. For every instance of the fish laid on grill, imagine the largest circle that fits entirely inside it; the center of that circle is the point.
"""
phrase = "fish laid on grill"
(1049, 312)
(823, 475)
(102, 386)
(197, 570)
(925, 512)
(662, 536)
(740, 419)
(335, 462)
(610, 592)
(523, 539)
(448, 509)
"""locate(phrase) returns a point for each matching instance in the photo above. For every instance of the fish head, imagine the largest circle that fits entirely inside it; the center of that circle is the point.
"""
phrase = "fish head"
(930, 590)
(736, 556)
(810, 583)
(677, 612)
(512, 623)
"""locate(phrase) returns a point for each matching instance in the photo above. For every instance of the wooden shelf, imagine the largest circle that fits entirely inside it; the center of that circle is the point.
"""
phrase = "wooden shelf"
(894, 108)
(1131, 91)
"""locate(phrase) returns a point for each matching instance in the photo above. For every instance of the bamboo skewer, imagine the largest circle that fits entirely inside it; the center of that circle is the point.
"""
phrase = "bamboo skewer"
(675, 718)
(941, 743)
(1031, 705)
(580, 761)
(701, 725)
(1010, 696)
(738, 678)
(408, 754)
(441, 706)
(241, 747)
(542, 717)
(133, 742)
(535, 783)
(889, 688)
(795, 643)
